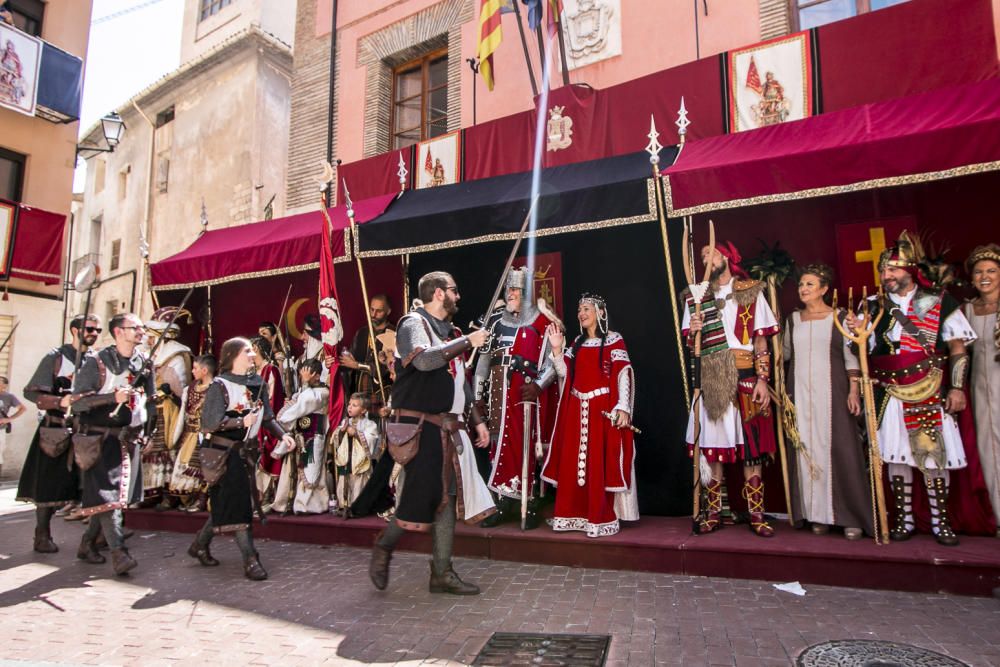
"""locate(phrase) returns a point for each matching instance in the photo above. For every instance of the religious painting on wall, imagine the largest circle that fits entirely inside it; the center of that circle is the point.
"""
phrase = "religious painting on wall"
(439, 160)
(771, 82)
(593, 31)
(547, 281)
(8, 226)
(859, 245)
(20, 59)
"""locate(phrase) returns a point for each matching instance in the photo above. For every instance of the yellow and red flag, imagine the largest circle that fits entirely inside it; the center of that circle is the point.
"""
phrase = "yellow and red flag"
(490, 34)
(554, 16)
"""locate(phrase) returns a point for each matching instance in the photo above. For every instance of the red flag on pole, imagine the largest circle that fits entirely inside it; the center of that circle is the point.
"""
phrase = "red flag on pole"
(428, 165)
(330, 322)
(753, 78)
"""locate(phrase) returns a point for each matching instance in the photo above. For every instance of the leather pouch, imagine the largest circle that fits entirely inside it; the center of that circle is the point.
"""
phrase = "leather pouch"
(54, 440)
(403, 440)
(87, 449)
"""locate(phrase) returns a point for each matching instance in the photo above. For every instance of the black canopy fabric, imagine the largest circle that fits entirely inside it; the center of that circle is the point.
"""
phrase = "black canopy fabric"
(576, 197)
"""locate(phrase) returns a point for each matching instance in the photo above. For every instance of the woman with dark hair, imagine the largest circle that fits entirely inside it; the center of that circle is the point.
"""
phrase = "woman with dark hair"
(827, 479)
(269, 469)
(236, 400)
(591, 459)
(984, 270)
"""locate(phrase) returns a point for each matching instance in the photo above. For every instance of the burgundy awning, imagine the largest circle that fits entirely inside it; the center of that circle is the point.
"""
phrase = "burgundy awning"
(260, 249)
(941, 134)
(38, 245)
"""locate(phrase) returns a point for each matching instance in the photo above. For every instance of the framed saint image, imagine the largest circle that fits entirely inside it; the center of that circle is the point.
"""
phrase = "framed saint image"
(20, 60)
(770, 82)
(439, 160)
(8, 225)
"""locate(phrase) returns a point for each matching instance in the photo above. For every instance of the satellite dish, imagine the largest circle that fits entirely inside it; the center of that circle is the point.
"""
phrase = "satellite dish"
(85, 278)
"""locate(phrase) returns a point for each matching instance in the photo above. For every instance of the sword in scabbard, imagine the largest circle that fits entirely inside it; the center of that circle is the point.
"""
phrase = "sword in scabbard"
(526, 451)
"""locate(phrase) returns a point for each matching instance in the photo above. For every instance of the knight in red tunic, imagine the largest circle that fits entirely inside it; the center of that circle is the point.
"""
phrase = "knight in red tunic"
(592, 457)
(506, 384)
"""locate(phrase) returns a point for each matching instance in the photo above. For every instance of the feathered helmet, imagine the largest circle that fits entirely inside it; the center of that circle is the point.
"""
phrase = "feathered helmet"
(906, 253)
(164, 321)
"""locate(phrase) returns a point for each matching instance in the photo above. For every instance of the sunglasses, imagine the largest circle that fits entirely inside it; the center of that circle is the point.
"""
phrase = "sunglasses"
(94, 329)
(137, 328)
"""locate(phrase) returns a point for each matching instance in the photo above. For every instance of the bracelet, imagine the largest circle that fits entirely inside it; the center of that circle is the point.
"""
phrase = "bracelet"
(959, 371)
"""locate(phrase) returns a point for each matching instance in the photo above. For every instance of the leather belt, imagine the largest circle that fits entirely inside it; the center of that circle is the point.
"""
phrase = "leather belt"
(516, 362)
(445, 420)
(591, 394)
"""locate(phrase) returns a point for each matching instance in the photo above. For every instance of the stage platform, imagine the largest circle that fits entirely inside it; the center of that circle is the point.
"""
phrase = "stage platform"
(665, 544)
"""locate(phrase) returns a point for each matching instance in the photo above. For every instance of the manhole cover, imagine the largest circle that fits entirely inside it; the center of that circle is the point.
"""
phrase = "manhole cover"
(868, 653)
(530, 650)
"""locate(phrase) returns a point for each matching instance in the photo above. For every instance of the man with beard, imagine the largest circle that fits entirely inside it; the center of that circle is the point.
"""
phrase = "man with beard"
(360, 360)
(735, 422)
(506, 385)
(915, 395)
(431, 393)
(108, 436)
(50, 479)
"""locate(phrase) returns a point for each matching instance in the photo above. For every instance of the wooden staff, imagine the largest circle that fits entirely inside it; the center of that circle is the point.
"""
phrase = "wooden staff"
(779, 393)
(696, 354)
(861, 333)
(364, 289)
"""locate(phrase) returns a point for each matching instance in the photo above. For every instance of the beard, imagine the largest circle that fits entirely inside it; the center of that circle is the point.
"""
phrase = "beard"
(900, 286)
(450, 305)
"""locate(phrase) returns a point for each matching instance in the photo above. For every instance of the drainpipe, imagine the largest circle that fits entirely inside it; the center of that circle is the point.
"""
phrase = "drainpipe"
(329, 111)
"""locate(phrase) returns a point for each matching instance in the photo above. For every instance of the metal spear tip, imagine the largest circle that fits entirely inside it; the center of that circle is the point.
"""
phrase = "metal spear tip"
(85, 277)
(654, 146)
(682, 121)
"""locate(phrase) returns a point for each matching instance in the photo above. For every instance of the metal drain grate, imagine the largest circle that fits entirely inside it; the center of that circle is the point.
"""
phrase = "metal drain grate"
(515, 649)
(869, 653)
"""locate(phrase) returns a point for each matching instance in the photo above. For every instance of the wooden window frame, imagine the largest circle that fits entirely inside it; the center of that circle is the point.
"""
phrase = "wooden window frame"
(423, 63)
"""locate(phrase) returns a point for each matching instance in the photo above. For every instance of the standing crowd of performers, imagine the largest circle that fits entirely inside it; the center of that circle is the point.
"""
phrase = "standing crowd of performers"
(439, 426)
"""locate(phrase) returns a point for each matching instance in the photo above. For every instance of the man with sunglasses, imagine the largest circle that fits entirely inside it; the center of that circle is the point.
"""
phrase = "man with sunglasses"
(48, 481)
(109, 403)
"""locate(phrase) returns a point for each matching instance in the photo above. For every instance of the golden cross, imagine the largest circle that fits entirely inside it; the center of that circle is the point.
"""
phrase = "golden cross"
(876, 236)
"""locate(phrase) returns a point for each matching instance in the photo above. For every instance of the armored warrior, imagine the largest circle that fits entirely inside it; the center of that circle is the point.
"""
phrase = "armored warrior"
(430, 397)
(109, 400)
(919, 362)
(50, 477)
(735, 422)
(506, 383)
(172, 365)
(304, 415)
(236, 408)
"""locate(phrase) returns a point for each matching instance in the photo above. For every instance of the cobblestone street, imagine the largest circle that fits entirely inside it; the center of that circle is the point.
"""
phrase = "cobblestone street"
(318, 607)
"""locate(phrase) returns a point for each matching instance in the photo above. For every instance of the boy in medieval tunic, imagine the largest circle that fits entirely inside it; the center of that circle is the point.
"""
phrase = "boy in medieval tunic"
(52, 481)
(305, 414)
(356, 443)
(920, 364)
(735, 421)
(186, 480)
(236, 407)
(110, 403)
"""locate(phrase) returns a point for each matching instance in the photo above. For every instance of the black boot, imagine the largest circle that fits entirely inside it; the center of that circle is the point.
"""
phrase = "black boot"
(937, 495)
(88, 552)
(202, 554)
(378, 569)
(447, 581)
(502, 514)
(43, 541)
(902, 495)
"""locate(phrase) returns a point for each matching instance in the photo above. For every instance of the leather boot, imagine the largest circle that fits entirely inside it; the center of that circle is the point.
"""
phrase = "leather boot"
(937, 496)
(378, 569)
(902, 516)
(43, 541)
(711, 521)
(253, 570)
(501, 515)
(88, 552)
(753, 491)
(122, 561)
(448, 582)
(202, 554)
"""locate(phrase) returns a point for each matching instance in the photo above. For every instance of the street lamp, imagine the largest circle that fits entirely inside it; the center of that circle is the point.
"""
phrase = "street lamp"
(113, 127)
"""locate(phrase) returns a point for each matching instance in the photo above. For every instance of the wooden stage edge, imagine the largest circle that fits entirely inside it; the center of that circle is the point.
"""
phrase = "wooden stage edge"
(665, 544)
